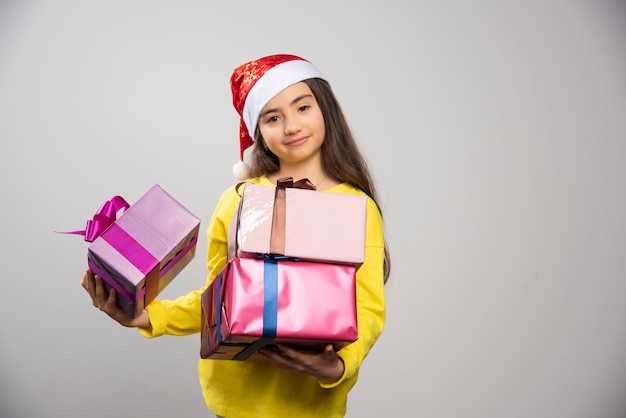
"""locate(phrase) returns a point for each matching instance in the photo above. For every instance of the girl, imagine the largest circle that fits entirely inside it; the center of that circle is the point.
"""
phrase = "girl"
(291, 119)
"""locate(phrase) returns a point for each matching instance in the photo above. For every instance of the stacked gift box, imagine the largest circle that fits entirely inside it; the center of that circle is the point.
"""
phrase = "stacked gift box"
(291, 273)
(140, 253)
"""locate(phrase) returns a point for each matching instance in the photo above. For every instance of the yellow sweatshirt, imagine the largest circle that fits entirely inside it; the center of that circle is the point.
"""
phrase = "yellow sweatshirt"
(241, 389)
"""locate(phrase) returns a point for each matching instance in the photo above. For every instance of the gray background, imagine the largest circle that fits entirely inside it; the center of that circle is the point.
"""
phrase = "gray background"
(496, 132)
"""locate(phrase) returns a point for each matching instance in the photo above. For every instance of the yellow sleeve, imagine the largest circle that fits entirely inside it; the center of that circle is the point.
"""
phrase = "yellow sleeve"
(370, 298)
(182, 315)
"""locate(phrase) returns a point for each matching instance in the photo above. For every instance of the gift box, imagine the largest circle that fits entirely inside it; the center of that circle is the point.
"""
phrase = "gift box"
(300, 223)
(141, 252)
(255, 302)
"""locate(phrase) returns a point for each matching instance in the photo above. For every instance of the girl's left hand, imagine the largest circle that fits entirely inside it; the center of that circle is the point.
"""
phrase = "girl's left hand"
(326, 365)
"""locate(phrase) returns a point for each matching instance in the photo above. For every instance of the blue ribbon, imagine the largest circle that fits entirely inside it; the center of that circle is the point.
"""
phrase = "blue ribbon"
(270, 297)
(270, 309)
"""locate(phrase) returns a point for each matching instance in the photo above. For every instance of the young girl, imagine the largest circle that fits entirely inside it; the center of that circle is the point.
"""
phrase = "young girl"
(291, 119)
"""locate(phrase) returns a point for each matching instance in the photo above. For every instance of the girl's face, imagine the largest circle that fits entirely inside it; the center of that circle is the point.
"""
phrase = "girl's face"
(292, 125)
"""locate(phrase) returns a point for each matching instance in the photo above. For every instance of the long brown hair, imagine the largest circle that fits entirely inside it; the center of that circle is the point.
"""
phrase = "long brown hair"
(341, 157)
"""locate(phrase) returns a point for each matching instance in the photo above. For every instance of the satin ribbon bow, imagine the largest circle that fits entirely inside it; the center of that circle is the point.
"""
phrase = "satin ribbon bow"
(103, 218)
(288, 182)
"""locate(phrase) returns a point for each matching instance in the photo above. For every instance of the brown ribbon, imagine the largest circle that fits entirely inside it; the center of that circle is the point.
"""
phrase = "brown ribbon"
(279, 220)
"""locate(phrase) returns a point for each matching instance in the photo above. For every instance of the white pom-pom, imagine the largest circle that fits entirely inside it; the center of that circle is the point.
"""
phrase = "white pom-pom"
(241, 171)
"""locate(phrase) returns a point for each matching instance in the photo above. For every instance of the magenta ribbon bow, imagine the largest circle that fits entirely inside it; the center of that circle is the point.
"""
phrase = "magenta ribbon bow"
(104, 217)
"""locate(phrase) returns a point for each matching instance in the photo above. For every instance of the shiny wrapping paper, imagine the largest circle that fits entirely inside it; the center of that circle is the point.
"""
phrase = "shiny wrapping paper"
(143, 250)
(256, 302)
(313, 226)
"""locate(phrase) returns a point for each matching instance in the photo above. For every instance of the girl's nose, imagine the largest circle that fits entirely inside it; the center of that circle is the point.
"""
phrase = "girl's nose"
(292, 125)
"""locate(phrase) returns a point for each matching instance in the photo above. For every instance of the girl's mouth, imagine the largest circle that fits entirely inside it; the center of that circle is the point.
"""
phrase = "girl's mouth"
(297, 141)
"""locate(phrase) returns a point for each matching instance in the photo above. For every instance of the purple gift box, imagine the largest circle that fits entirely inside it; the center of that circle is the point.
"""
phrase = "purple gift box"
(142, 251)
(309, 225)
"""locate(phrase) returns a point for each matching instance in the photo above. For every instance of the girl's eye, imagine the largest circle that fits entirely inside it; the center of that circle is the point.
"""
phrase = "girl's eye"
(272, 119)
(303, 108)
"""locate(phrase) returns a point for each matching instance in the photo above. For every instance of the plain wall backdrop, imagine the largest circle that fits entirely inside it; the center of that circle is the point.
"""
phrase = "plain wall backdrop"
(497, 135)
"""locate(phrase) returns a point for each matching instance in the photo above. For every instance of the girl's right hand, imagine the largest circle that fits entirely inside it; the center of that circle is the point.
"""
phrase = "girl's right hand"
(106, 303)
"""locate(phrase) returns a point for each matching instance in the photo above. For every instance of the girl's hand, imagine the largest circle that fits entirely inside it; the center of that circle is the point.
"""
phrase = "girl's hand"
(326, 365)
(106, 303)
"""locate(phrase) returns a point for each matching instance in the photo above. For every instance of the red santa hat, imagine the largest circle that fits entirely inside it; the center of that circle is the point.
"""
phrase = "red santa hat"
(255, 83)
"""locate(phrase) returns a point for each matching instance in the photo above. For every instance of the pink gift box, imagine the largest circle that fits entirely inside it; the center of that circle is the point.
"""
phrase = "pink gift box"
(143, 250)
(317, 226)
(256, 302)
